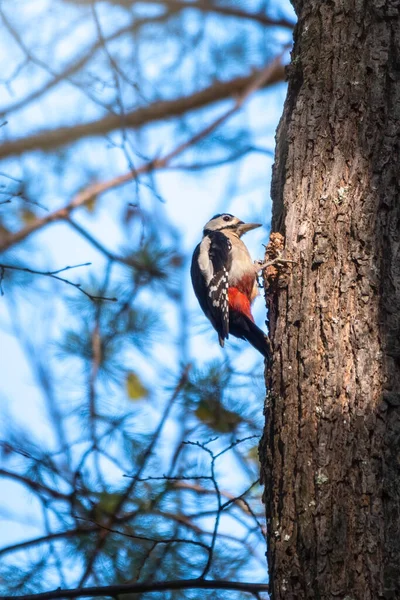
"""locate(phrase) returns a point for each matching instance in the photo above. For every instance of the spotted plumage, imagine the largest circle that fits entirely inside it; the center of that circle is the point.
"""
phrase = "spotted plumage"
(224, 280)
(210, 265)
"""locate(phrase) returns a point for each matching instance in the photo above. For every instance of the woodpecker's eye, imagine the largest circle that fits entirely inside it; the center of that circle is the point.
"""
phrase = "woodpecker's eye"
(226, 218)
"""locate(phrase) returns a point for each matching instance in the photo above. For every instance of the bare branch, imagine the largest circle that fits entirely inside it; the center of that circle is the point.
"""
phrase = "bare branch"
(145, 538)
(48, 538)
(207, 7)
(220, 162)
(77, 65)
(140, 588)
(52, 275)
(166, 109)
(129, 489)
(35, 486)
(85, 196)
(227, 11)
(129, 262)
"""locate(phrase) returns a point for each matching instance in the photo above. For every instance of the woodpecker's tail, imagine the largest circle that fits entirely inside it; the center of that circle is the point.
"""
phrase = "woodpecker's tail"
(242, 327)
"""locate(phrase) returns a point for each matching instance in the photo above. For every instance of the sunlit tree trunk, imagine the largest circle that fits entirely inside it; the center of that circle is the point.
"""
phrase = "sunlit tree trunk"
(331, 449)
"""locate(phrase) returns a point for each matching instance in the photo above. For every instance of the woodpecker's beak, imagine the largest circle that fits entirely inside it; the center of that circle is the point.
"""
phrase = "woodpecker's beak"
(243, 228)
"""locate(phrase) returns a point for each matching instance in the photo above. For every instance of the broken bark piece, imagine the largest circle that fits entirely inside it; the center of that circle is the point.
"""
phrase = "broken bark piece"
(276, 275)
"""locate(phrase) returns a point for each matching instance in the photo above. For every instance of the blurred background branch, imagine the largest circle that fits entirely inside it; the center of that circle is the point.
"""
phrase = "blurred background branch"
(129, 439)
(137, 588)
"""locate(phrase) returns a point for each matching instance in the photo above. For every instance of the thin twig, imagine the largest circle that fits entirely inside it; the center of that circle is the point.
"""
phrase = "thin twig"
(226, 11)
(146, 538)
(69, 533)
(129, 262)
(77, 65)
(149, 450)
(92, 191)
(35, 486)
(52, 275)
(220, 90)
(213, 478)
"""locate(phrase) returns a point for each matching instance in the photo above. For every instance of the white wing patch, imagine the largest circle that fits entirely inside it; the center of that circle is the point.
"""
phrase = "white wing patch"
(214, 262)
(205, 263)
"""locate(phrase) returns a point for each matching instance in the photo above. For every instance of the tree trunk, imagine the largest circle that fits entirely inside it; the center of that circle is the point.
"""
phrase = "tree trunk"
(331, 449)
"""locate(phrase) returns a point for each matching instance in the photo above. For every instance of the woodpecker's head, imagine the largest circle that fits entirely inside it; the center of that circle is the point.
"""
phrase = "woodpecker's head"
(227, 222)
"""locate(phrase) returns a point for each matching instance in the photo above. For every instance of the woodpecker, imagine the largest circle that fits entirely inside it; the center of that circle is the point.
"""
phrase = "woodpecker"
(224, 280)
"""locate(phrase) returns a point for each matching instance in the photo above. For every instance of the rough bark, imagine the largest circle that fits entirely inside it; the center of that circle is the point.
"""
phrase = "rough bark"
(330, 453)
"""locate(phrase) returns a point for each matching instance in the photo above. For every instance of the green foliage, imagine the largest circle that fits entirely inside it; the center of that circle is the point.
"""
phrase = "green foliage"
(205, 392)
(208, 383)
(157, 265)
(218, 418)
(135, 388)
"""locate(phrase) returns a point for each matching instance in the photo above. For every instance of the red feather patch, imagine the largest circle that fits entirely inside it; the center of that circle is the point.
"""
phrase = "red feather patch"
(240, 302)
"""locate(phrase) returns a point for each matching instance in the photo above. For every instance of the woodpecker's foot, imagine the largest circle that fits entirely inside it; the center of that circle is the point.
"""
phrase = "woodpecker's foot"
(279, 260)
(277, 268)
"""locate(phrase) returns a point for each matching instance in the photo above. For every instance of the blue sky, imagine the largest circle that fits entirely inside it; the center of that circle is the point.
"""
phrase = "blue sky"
(189, 201)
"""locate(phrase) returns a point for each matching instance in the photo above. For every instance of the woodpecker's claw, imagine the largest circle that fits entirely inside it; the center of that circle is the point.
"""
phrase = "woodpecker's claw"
(260, 265)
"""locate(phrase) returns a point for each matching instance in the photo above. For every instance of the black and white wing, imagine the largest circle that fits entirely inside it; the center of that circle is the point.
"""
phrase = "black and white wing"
(210, 278)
